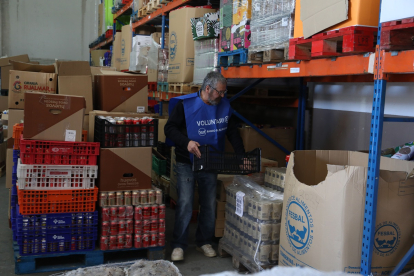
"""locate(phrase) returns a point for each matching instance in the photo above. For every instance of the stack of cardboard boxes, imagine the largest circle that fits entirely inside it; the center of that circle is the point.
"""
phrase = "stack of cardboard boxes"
(222, 182)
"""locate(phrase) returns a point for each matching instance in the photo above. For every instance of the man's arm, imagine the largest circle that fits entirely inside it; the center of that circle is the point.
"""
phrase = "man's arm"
(175, 123)
(234, 137)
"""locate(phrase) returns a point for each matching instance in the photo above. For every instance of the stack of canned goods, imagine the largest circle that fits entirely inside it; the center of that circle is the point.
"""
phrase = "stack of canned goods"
(128, 221)
(119, 132)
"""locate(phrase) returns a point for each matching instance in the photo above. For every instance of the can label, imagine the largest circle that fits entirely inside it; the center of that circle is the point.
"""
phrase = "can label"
(138, 241)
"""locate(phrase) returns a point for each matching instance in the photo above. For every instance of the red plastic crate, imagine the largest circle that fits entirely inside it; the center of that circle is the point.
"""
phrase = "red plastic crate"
(58, 153)
(56, 201)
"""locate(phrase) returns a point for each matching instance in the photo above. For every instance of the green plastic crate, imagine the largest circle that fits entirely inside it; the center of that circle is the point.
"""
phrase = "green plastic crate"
(159, 166)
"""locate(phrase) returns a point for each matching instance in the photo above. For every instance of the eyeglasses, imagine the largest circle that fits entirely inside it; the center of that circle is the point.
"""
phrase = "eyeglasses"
(220, 93)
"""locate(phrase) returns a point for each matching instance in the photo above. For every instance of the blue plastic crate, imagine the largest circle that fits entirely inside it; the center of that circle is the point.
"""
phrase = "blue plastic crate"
(14, 190)
(14, 179)
(233, 58)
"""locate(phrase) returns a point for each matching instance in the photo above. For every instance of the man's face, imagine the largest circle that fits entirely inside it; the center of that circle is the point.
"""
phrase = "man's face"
(215, 93)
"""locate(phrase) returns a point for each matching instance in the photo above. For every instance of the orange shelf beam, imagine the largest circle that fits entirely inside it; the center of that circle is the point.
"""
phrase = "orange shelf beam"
(347, 65)
(164, 9)
(124, 9)
(401, 63)
(103, 43)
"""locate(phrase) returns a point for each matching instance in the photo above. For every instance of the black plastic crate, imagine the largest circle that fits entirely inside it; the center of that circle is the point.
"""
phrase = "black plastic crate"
(213, 160)
(164, 149)
(112, 135)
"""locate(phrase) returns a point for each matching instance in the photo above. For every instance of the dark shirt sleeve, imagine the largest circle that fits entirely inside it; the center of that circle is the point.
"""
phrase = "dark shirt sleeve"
(234, 137)
(175, 128)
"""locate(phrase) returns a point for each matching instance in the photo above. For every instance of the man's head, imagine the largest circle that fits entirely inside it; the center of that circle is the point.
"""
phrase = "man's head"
(214, 87)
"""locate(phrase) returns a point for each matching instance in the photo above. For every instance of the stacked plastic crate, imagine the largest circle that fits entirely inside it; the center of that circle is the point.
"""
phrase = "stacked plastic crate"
(54, 184)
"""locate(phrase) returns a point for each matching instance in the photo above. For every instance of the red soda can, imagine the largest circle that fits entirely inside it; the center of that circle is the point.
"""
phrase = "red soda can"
(128, 132)
(161, 239)
(122, 227)
(128, 241)
(105, 214)
(161, 211)
(145, 240)
(143, 132)
(121, 212)
(113, 213)
(104, 244)
(114, 228)
(138, 227)
(161, 226)
(129, 226)
(138, 212)
(151, 135)
(154, 211)
(120, 130)
(129, 212)
(146, 226)
(121, 241)
(154, 226)
(113, 242)
(138, 241)
(154, 240)
(146, 212)
(136, 133)
(105, 228)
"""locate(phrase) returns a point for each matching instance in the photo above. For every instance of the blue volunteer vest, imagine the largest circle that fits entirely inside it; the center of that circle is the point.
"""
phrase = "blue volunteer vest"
(206, 124)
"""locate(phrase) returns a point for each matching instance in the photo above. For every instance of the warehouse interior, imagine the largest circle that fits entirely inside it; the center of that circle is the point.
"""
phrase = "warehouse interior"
(314, 84)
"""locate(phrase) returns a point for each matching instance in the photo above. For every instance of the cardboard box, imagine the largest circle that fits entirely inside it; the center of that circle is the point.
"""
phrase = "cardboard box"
(240, 36)
(220, 214)
(207, 26)
(86, 122)
(267, 163)
(121, 92)
(96, 56)
(116, 51)
(75, 79)
(221, 206)
(5, 67)
(324, 206)
(121, 170)
(220, 223)
(252, 139)
(223, 181)
(391, 10)
(219, 232)
(181, 56)
(93, 114)
(226, 42)
(26, 77)
(313, 16)
(226, 13)
(126, 47)
(9, 168)
(4, 103)
(242, 11)
(53, 117)
(15, 116)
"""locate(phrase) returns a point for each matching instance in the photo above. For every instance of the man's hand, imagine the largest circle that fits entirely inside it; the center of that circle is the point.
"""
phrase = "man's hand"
(192, 147)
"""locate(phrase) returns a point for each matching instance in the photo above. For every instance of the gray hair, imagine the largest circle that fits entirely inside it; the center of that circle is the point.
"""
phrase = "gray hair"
(212, 79)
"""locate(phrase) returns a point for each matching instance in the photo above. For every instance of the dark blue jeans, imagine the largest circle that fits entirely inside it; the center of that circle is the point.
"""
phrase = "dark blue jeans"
(207, 183)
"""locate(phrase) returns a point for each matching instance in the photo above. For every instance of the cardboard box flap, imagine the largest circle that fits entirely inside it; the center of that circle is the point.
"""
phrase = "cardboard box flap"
(23, 66)
(318, 15)
(122, 162)
(112, 73)
(6, 61)
(46, 106)
(73, 68)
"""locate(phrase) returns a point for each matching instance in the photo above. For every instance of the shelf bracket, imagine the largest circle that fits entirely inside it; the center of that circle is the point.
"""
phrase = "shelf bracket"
(246, 89)
(261, 133)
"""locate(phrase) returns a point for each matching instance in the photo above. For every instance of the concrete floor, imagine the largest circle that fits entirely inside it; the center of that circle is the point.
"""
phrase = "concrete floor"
(194, 264)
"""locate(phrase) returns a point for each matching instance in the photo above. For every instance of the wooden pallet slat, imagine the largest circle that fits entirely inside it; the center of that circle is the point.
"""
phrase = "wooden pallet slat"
(183, 88)
(268, 56)
(397, 35)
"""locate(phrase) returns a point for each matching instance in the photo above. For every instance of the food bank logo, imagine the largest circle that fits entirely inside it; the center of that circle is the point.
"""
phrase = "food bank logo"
(202, 132)
(299, 225)
(387, 238)
(173, 45)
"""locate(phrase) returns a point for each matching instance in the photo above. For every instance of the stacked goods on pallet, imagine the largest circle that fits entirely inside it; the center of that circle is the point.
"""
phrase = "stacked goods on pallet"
(271, 25)
(275, 178)
(252, 228)
(162, 73)
(206, 45)
(222, 182)
(131, 219)
(226, 21)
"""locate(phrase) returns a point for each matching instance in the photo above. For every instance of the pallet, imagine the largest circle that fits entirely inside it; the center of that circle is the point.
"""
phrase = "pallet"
(165, 1)
(240, 262)
(233, 58)
(151, 7)
(342, 42)
(152, 86)
(156, 4)
(397, 35)
(266, 56)
(142, 12)
(162, 86)
(78, 259)
(183, 88)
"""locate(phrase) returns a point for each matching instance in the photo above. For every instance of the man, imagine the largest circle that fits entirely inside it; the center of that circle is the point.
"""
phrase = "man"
(198, 119)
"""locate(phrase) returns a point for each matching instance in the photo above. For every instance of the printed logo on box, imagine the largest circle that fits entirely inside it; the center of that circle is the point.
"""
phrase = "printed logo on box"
(173, 45)
(299, 225)
(387, 238)
(17, 85)
(123, 47)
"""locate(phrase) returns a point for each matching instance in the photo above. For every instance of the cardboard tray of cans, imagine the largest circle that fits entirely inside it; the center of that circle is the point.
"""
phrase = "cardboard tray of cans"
(275, 178)
(55, 177)
(122, 132)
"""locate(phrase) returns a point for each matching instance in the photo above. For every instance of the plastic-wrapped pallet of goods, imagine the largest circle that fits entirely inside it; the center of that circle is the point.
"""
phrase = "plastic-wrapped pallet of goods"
(252, 229)
(272, 24)
(205, 58)
(275, 178)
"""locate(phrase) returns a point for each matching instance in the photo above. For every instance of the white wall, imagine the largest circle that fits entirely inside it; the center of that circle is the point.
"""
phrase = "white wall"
(48, 29)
